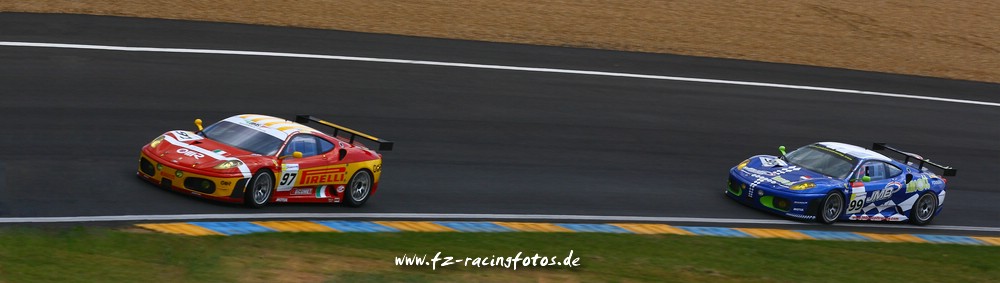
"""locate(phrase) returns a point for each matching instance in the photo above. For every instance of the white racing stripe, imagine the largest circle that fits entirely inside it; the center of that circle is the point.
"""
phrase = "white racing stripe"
(465, 216)
(486, 66)
(243, 167)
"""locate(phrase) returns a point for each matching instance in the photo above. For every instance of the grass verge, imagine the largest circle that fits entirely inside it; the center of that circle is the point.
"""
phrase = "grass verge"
(100, 254)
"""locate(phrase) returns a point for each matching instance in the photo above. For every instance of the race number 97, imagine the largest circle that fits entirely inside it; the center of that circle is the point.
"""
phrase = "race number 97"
(287, 179)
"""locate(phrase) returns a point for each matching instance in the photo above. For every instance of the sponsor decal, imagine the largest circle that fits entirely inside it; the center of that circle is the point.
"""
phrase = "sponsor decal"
(300, 192)
(772, 162)
(857, 199)
(191, 153)
(757, 171)
(882, 194)
(893, 218)
(917, 185)
(186, 136)
(864, 217)
(281, 200)
(220, 152)
(225, 183)
(798, 209)
(853, 217)
(340, 189)
(800, 202)
(877, 217)
(322, 175)
(783, 181)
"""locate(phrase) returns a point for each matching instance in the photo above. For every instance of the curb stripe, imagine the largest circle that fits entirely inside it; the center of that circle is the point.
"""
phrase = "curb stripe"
(474, 226)
(989, 240)
(533, 227)
(775, 233)
(893, 238)
(945, 239)
(356, 226)
(652, 229)
(715, 231)
(240, 228)
(295, 226)
(841, 236)
(594, 228)
(416, 226)
(233, 228)
(180, 228)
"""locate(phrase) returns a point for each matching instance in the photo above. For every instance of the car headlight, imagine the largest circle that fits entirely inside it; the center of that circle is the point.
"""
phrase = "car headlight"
(803, 186)
(742, 164)
(228, 164)
(156, 142)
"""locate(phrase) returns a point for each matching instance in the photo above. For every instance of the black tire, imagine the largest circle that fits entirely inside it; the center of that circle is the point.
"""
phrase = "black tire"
(359, 188)
(923, 210)
(830, 208)
(259, 189)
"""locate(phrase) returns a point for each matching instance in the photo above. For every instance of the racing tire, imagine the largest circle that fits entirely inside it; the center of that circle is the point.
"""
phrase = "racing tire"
(259, 190)
(359, 188)
(923, 209)
(830, 208)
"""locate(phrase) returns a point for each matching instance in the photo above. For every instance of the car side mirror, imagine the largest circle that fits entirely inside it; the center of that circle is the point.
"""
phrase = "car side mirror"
(295, 154)
(341, 154)
(909, 177)
(197, 122)
(866, 179)
(781, 149)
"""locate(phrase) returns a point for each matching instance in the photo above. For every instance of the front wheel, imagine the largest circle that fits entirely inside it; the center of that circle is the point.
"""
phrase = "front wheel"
(359, 188)
(259, 190)
(830, 208)
(923, 210)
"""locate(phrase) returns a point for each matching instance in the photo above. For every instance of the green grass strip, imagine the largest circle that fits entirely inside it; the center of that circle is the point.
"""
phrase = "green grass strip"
(103, 255)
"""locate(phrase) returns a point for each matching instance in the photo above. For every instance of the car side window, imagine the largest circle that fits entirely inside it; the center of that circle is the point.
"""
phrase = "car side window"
(893, 171)
(324, 145)
(875, 170)
(306, 144)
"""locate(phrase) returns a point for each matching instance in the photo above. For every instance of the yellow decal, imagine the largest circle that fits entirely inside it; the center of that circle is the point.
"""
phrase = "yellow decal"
(323, 175)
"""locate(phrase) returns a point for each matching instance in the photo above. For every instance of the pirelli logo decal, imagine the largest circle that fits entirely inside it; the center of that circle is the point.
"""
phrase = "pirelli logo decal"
(322, 175)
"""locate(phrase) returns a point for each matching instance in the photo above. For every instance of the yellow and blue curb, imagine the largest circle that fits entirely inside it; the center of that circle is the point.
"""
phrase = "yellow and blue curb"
(249, 227)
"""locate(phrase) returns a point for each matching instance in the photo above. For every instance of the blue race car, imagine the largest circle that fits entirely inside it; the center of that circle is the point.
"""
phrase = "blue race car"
(830, 181)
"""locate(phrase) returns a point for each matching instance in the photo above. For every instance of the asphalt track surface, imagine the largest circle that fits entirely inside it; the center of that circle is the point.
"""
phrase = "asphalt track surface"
(467, 140)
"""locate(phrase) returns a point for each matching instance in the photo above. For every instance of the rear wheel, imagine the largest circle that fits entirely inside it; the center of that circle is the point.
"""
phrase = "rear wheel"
(359, 188)
(923, 210)
(830, 208)
(259, 190)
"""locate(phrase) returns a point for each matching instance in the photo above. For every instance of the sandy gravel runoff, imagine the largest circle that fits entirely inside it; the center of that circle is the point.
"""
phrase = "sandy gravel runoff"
(950, 39)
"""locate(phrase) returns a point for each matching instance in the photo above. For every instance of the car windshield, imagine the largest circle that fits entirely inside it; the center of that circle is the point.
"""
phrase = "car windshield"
(243, 138)
(822, 160)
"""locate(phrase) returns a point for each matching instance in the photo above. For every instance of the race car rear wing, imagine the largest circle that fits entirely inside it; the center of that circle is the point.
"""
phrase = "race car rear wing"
(383, 145)
(948, 170)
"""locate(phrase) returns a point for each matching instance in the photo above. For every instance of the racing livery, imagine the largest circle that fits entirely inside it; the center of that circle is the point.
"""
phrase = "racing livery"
(257, 159)
(830, 181)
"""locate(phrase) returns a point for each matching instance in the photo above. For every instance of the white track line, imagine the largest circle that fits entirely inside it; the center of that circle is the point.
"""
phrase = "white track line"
(485, 66)
(466, 216)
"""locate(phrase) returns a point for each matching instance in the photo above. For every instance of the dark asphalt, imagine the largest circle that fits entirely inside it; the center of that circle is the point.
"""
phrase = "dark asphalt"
(467, 140)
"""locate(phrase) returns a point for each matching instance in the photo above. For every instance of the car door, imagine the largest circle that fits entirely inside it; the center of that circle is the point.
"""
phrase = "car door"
(309, 175)
(879, 190)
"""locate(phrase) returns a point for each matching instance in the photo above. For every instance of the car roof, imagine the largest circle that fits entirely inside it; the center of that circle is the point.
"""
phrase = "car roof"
(855, 151)
(277, 127)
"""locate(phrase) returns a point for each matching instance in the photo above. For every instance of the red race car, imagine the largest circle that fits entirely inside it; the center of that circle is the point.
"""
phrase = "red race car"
(256, 159)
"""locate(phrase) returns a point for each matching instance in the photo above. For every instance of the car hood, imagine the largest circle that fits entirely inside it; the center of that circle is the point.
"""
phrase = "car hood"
(190, 150)
(770, 171)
